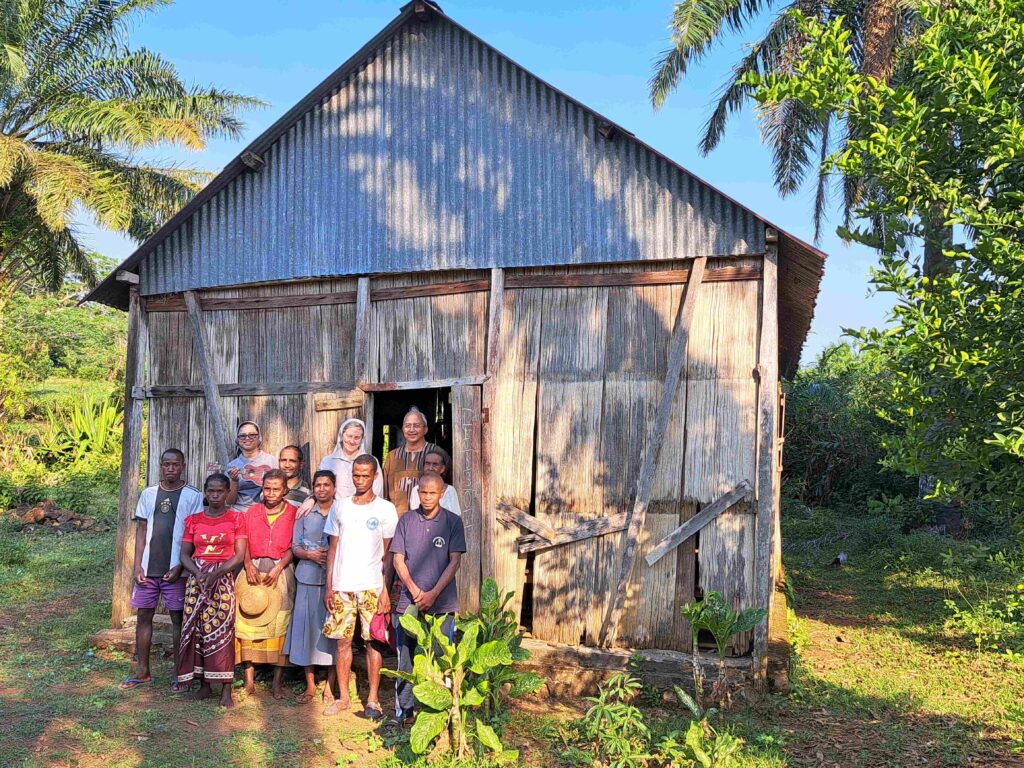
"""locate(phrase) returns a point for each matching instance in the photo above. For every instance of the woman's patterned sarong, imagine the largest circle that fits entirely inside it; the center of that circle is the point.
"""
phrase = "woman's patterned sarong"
(208, 630)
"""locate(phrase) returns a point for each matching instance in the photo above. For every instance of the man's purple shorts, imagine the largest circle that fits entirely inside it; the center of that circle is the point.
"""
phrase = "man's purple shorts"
(147, 594)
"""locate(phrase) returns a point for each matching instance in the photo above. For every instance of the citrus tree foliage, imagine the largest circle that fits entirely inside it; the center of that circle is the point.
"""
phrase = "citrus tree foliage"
(947, 146)
(77, 107)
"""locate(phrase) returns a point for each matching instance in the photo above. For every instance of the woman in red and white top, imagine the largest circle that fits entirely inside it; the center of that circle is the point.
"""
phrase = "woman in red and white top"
(212, 546)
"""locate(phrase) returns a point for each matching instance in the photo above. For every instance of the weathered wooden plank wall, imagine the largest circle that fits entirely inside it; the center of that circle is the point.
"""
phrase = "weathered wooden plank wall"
(721, 432)
(580, 373)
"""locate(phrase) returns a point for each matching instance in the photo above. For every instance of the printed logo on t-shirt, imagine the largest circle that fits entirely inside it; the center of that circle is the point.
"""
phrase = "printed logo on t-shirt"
(165, 506)
(438, 542)
(373, 523)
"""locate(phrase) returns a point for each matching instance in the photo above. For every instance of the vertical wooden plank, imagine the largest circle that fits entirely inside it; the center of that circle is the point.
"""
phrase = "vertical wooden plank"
(362, 346)
(569, 476)
(131, 457)
(638, 340)
(638, 513)
(510, 430)
(220, 429)
(466, 418)
(495, 310)
(768, 368)
(721, 436)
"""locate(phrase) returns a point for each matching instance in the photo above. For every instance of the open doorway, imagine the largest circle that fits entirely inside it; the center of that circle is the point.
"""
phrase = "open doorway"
(389, 408)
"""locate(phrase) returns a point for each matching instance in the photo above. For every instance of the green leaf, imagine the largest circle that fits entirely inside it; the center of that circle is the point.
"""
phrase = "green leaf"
(427, 727)
(425, 669)
(467, 644)
(488, 596)
(488, 737)
(688, 701)
(488, 655)
(524, 683)
(433, 695)
(474, 697)
(411, 623)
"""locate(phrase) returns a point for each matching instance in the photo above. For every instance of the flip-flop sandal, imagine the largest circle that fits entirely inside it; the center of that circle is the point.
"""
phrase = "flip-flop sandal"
(304, 698)
(131, 683)
(177, 687)
(373, 712)
(336, 708)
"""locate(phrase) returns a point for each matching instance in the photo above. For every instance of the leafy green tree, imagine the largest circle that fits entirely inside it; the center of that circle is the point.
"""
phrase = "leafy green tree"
(77, 107)
(834, 432)
(945, 145)
(54, 336)
(799, 137)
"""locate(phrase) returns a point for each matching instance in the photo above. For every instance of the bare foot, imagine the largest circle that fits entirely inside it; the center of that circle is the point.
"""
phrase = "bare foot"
(203, 692)
(225, 698)
(339, 706)
(250, 689)
(328, 695)
(306, 696)
(279, 694)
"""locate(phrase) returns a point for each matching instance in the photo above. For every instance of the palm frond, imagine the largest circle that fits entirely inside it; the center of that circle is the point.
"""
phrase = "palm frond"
(824, 179)
(789, 129)
(695, 25)
(763, 57)
(13, 157)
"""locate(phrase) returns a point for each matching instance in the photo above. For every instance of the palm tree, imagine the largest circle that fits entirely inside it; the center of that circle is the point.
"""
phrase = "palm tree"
(799, 139)
(78, 109)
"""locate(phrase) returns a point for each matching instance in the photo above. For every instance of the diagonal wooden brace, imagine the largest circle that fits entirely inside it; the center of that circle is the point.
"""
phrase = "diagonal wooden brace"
(698, 521)
(533, 542)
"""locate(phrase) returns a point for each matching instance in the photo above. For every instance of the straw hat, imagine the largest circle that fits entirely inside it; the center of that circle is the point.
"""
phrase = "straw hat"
(258, 604)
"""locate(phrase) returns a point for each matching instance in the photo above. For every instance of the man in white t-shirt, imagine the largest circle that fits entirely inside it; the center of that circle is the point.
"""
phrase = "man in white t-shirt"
(360, 530)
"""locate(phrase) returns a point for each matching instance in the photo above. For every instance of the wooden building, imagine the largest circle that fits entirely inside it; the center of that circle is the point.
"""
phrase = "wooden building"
(597, 334)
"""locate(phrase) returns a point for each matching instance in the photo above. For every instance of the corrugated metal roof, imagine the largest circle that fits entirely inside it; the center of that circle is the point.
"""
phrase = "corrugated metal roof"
(429, 150)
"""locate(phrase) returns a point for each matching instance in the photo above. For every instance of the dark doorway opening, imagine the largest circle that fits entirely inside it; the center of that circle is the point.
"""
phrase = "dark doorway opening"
(389, 409)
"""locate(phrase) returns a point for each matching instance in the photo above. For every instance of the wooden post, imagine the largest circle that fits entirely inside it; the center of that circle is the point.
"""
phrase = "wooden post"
(131, 457)
(362, 345)
(767, 400)
(645, 482)
(487, 512)
(466, 478)
(222, 438)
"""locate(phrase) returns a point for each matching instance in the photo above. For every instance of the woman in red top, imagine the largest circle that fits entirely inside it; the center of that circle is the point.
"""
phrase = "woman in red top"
(212, 547)
(268, 561)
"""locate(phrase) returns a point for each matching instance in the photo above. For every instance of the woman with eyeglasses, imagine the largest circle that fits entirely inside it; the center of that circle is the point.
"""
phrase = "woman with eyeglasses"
(248, 468)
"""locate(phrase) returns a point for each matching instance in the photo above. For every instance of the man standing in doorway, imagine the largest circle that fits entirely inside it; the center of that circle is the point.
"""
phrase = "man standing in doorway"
(404, 465)
(360, 530)
(427, 550)
(160, 523)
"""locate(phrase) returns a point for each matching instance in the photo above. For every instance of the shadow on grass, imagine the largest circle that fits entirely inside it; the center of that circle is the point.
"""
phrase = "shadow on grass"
(60, 703)
(825, 724)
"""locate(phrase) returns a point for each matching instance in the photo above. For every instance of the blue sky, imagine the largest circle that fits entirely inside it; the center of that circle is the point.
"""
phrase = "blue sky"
(600, 51)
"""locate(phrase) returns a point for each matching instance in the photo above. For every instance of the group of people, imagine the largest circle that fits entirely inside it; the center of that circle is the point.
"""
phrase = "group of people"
(259, 569)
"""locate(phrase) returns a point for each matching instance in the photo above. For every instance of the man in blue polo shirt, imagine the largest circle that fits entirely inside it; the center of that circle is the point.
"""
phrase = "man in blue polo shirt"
(427, 547)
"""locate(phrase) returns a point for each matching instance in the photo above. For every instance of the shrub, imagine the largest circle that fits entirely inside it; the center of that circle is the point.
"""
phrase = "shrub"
(834, 434)
(453, 681)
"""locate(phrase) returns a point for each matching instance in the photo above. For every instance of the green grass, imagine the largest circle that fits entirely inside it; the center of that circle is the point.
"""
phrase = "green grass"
(879, 678)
